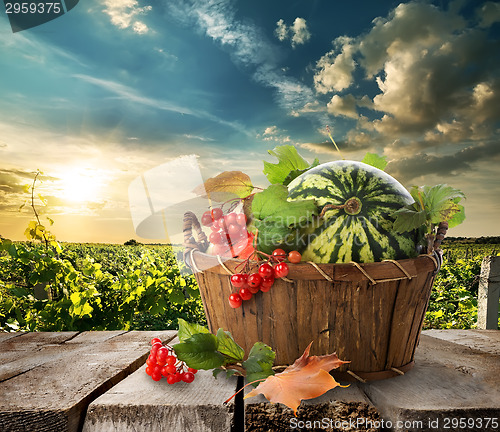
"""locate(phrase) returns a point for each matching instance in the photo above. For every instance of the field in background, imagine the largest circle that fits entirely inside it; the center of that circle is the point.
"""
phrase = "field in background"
(110, 287)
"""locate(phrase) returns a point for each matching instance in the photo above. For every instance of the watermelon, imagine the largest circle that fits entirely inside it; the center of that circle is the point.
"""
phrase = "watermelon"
(361, 231)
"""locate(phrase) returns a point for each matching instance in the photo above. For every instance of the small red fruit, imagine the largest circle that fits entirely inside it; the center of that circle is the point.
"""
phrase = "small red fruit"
(217, 213)
(245, 293)
(235, 300)
(294, 257)
(241, 219)
(280, 270)
(279, 255)
(154, 340)
(266, 284)
(192, 370)
(266, 270)
(206, 219)
(170, 359)
(254, 279)
(237, 280)
(187, 377)
(156, 376)
(171, 379)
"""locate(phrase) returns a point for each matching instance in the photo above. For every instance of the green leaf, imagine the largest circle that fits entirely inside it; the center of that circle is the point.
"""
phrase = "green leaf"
(272, 234)
(457, 218)
(200, 352)
(289, 160)
(228, 347)
(295, 173)
(375, 160)
(177, 297)
(259, 363)
(409, 219)
(186, 330)
(271, 204)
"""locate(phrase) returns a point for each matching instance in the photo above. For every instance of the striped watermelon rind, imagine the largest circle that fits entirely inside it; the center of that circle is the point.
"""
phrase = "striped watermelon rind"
(362, 232)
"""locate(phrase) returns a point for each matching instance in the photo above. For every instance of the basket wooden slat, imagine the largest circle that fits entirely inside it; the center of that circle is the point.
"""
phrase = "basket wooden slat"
(374, 325)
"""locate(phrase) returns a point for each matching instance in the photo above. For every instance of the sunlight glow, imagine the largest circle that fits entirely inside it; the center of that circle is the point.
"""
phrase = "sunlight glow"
(80, 185)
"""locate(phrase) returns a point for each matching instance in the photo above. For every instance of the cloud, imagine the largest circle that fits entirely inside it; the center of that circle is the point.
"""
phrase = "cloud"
(421, 164)
(336, 67)
(437, 82)
(273, 133)
(297, 33)
(343, 106)
(123, 14)
(129, 94)
(247, 46)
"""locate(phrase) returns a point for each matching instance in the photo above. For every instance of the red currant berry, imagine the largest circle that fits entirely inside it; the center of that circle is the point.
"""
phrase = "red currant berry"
(192, 370)
(178, 376)
(156, 376)
(150, 370)
(215, 238)
(235, 300)
(280, 270)
(188, 377)
(266, 284)
(230, 218)
(237, 280)
(171, 379)
(206, 219)
(245, 293)
(169, 369)
(241, 219)
(294, 257)
(154, 340)
(156, 346)
(170, 359)
(217, 213)
(266, 270)
(234, 230)
(253, 290)
(279, 255)
(254, 279)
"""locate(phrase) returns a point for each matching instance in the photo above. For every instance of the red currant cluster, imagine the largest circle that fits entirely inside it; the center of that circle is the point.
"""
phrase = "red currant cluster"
(263, 279)
(162, 362)
(229, 232)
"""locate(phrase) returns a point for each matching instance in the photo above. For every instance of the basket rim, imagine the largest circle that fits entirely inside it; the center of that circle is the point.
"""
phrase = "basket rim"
(375, 272)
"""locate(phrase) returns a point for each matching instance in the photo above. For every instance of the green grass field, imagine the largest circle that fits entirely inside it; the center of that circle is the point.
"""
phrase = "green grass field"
(110, 287)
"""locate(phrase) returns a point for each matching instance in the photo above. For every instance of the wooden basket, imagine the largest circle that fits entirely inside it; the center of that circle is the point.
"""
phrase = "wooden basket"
(369, 314)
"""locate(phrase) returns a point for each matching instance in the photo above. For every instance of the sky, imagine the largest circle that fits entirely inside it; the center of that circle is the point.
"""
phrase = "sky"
(114, 89)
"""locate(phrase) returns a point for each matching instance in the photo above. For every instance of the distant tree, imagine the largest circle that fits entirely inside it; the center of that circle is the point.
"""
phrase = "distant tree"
(131, 242)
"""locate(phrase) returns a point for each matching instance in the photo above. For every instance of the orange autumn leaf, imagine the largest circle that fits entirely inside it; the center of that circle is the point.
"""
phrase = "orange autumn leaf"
(306, 378)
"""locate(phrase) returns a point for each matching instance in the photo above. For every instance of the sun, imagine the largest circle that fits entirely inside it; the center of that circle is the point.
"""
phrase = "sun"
(80, 185)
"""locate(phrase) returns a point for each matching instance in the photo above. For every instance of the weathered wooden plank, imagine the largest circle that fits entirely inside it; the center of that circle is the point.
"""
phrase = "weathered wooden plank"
(480, 340)
(140, 404)
(53, 385)
(449, 381)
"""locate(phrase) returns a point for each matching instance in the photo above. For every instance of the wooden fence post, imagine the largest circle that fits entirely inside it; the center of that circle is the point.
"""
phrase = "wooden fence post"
(488, 293)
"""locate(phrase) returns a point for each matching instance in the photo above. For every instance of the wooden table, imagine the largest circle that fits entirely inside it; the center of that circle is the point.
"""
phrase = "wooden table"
(95, 382)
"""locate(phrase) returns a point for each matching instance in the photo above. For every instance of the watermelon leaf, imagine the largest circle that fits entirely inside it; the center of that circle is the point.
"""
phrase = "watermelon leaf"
(290, 165)
(375, 160)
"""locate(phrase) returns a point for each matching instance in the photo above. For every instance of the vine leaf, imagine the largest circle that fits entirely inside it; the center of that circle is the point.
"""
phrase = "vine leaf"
(186, 330)
(290, 165)
(226, 185)
(306, 378)
(433, 204)
(375, 160)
